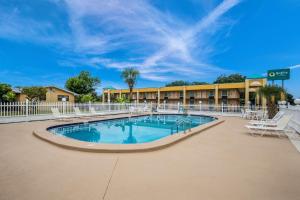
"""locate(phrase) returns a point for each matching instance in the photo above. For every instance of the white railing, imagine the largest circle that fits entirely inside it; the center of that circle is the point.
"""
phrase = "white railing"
(23, 109)
(222, 109)
(42, 110)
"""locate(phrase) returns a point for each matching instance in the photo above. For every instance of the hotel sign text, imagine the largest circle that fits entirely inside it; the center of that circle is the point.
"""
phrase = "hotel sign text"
(279, 74)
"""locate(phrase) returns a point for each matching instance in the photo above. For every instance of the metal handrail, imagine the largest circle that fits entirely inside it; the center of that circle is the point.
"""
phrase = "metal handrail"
(183, 121)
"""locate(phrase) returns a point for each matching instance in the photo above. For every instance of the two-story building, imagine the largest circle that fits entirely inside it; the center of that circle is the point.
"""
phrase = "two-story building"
(211, 94)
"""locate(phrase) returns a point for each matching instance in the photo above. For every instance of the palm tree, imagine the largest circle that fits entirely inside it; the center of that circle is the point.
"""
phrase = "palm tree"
(272, 93)
(130, 75)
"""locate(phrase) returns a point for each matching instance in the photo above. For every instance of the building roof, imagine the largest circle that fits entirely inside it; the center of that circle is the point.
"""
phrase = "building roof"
(255, 76)
(16, 90)
(65, 90)
(109, 88)
(19, 91)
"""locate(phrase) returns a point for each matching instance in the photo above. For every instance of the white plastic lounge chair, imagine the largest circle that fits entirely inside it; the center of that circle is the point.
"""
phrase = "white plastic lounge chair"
(248, 114)
(268, 122)
(146, 109)
(58, 115)
(243, 113)
(94, 112)
(80, 114)
(278, 129)
(132, 109)
(140, 110)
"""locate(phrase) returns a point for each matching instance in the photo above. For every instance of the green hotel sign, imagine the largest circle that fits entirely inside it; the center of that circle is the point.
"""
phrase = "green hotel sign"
(279, 74)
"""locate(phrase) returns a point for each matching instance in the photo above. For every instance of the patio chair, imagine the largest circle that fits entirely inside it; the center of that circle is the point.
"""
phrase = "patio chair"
(146, 109)
(78, 113)
(278, 129)
(243, 113)
(94, 112)
(268, 122)
(132, 110)
(248, 114)
(57, 115)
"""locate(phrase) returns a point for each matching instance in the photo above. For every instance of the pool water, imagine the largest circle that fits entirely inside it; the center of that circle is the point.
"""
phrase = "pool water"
(132, 130)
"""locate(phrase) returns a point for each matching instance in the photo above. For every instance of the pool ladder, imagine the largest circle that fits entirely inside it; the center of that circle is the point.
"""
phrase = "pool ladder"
(182, 121)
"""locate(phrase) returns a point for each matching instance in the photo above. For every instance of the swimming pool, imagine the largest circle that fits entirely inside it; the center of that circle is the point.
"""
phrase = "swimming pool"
(132, 130)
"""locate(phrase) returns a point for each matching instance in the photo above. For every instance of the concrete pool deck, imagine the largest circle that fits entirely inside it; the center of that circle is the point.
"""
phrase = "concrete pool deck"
(44, 134)
(223, 162)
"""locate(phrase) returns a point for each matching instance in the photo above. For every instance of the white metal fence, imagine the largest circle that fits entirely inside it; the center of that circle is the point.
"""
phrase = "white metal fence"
(29, 109)
(24, 109)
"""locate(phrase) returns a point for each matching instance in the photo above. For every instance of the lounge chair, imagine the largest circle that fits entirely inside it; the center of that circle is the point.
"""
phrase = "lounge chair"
(78, 113)
(94, 112)
(132, 110)
(278, 129)
(268, 122)
(57, 115)
(146, 109)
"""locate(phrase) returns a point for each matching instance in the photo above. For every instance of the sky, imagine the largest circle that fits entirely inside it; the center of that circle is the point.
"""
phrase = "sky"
(44, 42)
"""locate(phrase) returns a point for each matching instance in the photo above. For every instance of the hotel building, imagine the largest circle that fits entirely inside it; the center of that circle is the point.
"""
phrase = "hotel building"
(211, 94)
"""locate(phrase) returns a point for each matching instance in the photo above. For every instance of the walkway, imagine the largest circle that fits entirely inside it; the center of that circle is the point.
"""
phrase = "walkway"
(223, 162)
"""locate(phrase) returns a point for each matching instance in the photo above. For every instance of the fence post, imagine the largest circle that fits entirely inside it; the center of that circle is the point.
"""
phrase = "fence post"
(108, 106)
(164, 105)
(90, 105)
(64, 107)
(27, 107)
(178, 107)
(200, 106)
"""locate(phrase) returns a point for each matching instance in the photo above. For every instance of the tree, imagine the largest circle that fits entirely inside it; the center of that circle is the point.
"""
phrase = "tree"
(272, 93)
(290, 98)
(87, 98)
(177, 83)
(9, 96)
(35, 93)
(130, 76)
(198, 83)
(122, 99)
(184, 83)
(82, 84)
(4, 90)
(233, 78)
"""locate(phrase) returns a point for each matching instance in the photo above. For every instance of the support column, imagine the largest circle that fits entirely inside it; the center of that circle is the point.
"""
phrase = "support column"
(263, 99)
(184, 96)
(158, 97)
(216, 94)
(246, 92)
(108, 98)
(137, 96)
(120, 94)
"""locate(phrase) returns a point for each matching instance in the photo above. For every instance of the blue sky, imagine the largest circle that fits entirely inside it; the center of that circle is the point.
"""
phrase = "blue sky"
(43, 42)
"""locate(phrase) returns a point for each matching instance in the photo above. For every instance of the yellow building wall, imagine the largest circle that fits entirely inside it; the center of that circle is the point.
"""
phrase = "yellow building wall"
(52, 95)
(20, 97)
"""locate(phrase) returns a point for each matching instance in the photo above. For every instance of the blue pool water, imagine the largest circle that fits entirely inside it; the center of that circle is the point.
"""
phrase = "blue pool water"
(130, 130)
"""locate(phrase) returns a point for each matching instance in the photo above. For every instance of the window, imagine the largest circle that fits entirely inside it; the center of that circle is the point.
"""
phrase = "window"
(192, 94)
(224, 93)
(211, 93)
(60, 97)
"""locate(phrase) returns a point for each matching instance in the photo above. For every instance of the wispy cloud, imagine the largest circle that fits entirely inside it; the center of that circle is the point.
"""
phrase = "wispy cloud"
(294, 66)
(118, 34)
